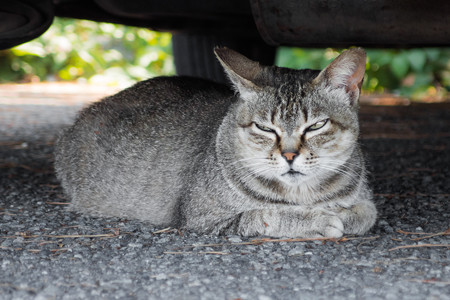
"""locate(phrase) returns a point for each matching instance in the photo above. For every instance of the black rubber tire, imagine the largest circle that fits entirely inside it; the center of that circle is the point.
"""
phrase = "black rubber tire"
(24, 20)
(194, 55)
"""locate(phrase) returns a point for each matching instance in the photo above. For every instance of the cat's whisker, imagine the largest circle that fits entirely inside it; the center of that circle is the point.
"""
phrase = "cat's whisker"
(342, 163)
(255, 173)
(350, 178)
(350, 175)
(345, 165)
(343, 169)
(247, 159)
(250, 166)
(340, 167)
(349, 172)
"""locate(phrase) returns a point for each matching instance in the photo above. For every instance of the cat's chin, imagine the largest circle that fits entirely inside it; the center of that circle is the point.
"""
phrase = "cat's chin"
(293, 173)
(293, 177)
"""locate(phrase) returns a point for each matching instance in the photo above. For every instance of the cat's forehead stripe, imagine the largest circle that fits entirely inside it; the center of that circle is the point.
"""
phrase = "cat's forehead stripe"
(290, 109)
(305, 114)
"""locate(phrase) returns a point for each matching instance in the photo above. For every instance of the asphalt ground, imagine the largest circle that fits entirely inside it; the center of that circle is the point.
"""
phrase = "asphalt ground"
(47, 252)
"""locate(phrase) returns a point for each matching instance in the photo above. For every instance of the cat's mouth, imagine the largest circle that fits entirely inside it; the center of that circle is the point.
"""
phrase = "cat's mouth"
(292, 172)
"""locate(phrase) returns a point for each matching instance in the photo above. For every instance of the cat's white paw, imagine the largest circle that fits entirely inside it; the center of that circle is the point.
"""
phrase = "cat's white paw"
(328, 225)
(334, 228)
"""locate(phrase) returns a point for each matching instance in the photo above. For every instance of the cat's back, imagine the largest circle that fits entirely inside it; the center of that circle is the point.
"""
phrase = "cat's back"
(162, 108)
(152, 116)
(171, 90)
(162, 99)
(129, 144)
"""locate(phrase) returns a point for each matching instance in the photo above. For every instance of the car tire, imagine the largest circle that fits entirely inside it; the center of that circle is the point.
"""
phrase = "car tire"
(194, 55)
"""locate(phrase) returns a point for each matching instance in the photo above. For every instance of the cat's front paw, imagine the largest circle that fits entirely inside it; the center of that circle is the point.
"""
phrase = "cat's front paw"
(327, 225)
(335, 228)
(359, 218)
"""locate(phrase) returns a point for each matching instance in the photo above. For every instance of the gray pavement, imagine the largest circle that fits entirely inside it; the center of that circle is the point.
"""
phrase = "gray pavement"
(47, 252)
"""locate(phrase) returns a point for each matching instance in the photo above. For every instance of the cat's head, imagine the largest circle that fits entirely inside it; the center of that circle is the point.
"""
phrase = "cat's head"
(293, 126)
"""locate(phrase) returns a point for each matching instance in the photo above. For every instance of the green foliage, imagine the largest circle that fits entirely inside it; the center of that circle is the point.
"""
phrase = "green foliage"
(99, 52)
(120, 55)
(415, 73)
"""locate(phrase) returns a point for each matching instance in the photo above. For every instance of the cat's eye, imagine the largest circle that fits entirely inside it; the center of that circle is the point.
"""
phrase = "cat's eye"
(264, 128)
(317, 125)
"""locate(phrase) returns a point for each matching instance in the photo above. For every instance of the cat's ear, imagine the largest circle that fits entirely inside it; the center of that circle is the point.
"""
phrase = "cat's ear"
(345, 73)
(243, 72)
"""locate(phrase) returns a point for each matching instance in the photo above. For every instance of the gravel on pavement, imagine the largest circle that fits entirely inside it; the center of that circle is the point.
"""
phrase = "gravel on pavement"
(48, 252)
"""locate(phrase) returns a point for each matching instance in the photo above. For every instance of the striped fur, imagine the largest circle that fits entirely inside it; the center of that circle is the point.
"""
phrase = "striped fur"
(185, 152)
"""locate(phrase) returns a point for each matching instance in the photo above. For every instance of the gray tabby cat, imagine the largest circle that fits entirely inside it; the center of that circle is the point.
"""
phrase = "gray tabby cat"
(278, 158)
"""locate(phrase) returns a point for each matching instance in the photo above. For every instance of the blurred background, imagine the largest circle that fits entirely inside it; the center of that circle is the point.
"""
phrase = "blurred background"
(117, 56)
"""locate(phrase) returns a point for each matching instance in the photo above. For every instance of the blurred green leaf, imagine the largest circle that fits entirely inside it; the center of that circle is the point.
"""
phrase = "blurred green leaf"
(417, 58)
(400, 65)
(432, 53)
(423, 79)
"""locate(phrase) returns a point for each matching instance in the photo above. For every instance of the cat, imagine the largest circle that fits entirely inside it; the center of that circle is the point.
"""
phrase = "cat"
(278, 156)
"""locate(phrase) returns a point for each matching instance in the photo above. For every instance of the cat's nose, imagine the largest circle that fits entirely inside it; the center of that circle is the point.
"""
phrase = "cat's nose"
(289, 156)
